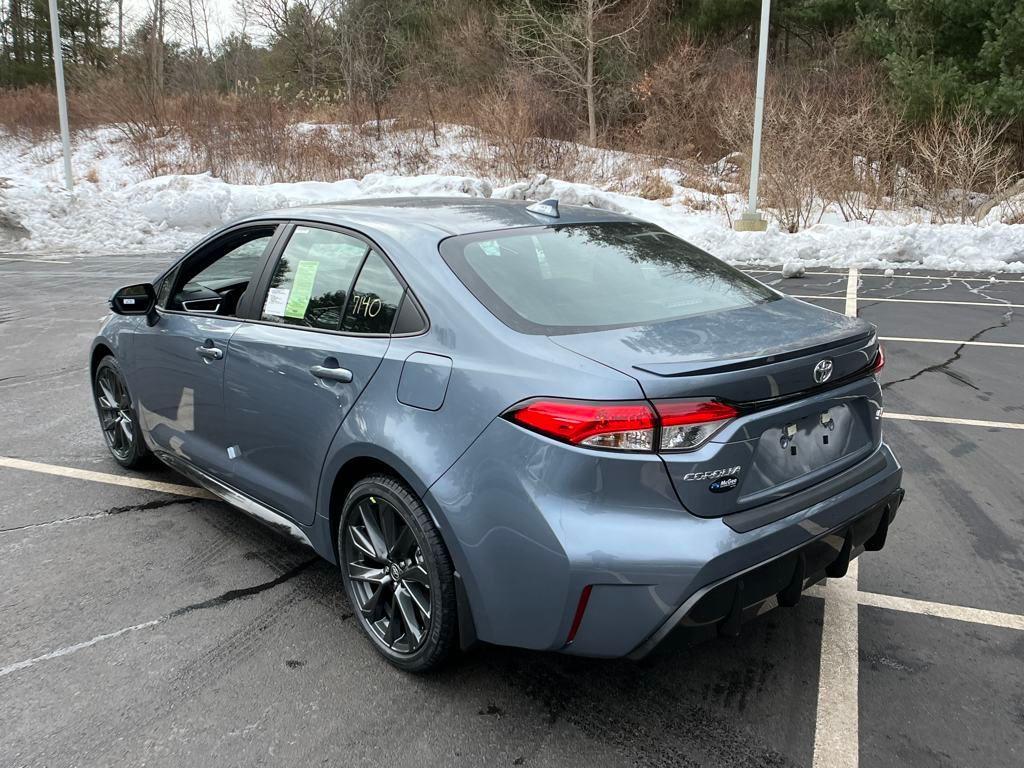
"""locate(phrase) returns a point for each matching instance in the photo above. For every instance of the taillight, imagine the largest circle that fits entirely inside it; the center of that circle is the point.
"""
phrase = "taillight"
(876, 366)
(620, 426)
(672, 425)
(686, 424)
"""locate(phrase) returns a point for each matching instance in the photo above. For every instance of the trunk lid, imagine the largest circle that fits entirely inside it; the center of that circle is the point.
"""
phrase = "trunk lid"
(794, 431)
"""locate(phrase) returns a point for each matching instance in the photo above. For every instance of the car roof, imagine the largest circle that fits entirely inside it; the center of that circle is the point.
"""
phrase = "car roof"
(437, 217)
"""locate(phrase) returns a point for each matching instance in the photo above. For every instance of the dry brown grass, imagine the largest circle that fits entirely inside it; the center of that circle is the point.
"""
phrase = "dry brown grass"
(31, 113)
(675, 102)
(652, 186)
(521, 124)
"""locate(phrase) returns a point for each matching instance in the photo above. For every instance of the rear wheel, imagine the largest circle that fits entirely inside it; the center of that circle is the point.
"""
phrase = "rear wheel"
(116, 411)
(397, 574)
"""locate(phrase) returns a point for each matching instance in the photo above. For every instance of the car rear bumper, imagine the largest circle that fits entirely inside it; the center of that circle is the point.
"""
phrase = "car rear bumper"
(532, 525)
(722, 607)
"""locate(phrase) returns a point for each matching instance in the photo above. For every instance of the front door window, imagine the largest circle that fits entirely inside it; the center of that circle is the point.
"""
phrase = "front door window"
(313, 279)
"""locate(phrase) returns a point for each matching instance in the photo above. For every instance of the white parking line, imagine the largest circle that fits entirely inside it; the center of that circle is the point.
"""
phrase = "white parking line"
(836, 730)
(837, 726)
(950, 278)
(4, 671)
(851, 293)
(953, 341)
(924, 607)
(941, 610)
(33, 261)
(995, 304)
(105, 477)
(952, 420)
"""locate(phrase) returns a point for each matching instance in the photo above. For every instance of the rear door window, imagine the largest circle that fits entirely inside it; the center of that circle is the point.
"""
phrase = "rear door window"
(582, 277)
(313, 278)
(375, 298)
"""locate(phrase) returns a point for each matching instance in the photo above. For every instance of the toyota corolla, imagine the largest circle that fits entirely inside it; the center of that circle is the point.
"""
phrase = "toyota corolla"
(541, 426)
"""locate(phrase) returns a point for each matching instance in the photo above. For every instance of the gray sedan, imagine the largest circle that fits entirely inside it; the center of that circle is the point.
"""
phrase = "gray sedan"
(532, 425)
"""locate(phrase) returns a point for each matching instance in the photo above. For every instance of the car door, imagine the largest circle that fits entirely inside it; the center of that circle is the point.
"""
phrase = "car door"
(324, 319)
(177, 375)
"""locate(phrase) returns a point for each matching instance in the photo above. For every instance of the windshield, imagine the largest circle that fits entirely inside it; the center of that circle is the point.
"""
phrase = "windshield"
(584, 277)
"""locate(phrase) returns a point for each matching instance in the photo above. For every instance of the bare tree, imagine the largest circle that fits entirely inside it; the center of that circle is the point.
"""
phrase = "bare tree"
(303, 30)
(120, 26)
(957, 159)
(368, 46)
(191, 20)
(564, 48)
(156, 42)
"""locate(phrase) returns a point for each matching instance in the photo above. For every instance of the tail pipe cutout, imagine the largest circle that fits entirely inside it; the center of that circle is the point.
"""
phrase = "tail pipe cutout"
(787, 577)
(724, 607)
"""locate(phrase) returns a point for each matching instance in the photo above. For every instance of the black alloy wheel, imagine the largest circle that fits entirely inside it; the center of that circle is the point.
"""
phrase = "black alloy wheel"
(397, 574)
(117, 415)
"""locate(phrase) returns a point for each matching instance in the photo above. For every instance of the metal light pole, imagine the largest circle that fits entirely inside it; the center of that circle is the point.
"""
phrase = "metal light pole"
(62, 99)
(751, 220)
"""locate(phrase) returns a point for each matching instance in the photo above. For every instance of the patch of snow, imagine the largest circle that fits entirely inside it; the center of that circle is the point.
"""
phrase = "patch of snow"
(793, 269)
(116, 207)
(890, 272)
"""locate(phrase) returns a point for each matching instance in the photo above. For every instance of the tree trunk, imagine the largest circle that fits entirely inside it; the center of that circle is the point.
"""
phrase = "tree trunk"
(588, 85)
(591, 111)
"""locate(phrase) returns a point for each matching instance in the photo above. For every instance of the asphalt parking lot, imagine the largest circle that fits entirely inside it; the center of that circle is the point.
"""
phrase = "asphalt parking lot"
(146, 623)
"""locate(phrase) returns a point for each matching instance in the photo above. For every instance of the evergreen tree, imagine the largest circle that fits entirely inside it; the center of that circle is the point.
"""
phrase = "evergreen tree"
(942, 53)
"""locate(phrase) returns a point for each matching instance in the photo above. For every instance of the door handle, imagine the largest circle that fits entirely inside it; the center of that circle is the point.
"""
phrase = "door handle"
(210, 353)
(344, 375)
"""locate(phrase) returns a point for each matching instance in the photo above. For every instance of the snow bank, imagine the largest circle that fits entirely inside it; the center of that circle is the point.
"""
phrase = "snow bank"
(120, 210)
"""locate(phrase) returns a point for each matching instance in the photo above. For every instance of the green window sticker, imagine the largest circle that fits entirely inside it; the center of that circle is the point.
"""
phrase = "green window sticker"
(302, 289)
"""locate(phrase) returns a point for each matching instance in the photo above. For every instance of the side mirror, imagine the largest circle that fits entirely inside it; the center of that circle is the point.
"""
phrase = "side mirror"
(137, 299)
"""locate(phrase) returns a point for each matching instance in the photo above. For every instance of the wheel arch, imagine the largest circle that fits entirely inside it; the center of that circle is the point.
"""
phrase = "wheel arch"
(362, 465)
(100, 350)
(350, 473)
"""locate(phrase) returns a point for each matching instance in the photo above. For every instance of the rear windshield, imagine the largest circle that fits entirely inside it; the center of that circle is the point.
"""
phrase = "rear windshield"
(585, 277)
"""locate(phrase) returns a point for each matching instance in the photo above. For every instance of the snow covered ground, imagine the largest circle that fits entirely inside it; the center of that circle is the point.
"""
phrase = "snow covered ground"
(116, 208)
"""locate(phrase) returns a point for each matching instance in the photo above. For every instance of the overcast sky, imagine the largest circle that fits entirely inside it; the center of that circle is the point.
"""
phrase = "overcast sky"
(222, 16)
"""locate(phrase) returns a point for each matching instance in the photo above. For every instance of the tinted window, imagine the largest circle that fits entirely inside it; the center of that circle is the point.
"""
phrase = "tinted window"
(213, 280)
(237, 264)
(375, 298)
(580, 277)
(166, 285)
(410, 317)
(312, 279)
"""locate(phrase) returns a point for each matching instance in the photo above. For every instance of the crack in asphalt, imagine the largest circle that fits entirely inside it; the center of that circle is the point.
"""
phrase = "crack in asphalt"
(155, 504)
(943, 367)
(26, 378)
(864, 302)
(240, 594)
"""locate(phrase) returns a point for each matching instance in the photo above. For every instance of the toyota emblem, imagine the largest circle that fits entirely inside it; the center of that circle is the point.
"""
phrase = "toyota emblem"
(823, 371)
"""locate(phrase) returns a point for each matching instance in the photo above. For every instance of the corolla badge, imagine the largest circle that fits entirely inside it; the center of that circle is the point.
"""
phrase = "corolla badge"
(823, 371)
(712, 474)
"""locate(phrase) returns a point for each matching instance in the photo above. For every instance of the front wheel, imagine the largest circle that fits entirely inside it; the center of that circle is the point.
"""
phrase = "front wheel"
(117, 415)
(397, 574)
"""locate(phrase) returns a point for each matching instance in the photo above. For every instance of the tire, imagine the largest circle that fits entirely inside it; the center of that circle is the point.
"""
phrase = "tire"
(118, 420)
(386, 538)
